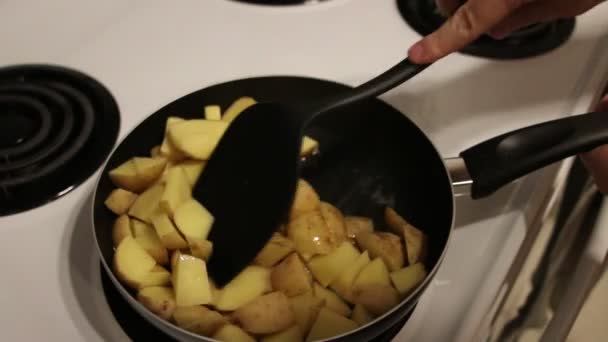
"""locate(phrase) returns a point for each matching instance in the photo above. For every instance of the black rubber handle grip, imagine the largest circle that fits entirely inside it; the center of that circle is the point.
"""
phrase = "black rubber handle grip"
(500, 160)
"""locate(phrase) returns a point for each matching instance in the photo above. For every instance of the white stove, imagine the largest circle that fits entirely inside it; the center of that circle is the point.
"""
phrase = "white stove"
(148, 53)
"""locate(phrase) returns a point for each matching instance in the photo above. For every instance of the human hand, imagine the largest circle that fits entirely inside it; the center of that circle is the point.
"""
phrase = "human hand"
(596, 160)
(496, 17)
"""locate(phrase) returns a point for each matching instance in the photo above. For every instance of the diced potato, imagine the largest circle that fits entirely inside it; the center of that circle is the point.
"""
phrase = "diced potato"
(138, 173)
(160, 300)
(177, 190)
(306, 200)
(266, 314)
(119, 201)
(329, 324)
(232, 333)
(335, 223)
(383, 245)
(310, 234)
(293, 334)
(121, 229)
(191, 282)
(415, 239)
(332, 300)
(155, 151)
(305, 308)
(158, 276)
(237, 107)
(198, 319)
(131, 262)
(361, 315)
(200, 248)
(146, 236)
(149, 169)
(197, 138)
(193, 220)
(251, 283)
(167, 233)
(344, 283)
(376, 298)
(213, 112)
(146, 206)
(193, 170)
(167, 148)
(373, 273)
(309, 145)
(291, 276)
(356, 225)
(406, 279)
(327, 268)
(275, 250)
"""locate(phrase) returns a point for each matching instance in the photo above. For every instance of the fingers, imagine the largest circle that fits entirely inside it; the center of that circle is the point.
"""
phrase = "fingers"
(526, 15)
(469, 22)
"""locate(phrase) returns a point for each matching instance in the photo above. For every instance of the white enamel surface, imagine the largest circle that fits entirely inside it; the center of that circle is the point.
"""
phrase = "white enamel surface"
(151, 52)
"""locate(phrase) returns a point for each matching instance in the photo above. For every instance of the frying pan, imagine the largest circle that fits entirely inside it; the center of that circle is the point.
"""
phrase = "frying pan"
(367, 161)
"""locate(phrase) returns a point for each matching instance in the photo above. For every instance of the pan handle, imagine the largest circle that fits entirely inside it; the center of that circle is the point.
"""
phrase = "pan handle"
(500, 160)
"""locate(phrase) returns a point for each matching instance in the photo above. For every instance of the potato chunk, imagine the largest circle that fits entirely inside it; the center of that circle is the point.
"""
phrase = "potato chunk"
(146, 236)
(293, 334)
(198, 319)
(344, 283)
(160, 300)
(361, 315)
(197, 138)
(193, 220)
(355, 225)
(306, 200)
(329, 324)
(131, 262)
(192, 169)
(121, 228)
(277, 248)
(251, 283)
(310, 234)
(376, 298)
(237, 107)
(167, 232)
(158, 276)
(406, 279)
(177, 190)
(373, 273)
(266, 314)
(191, 282)
(332, 300)
(291, 276)
(167, 148)
(384, 245)
(232, 333)
(120, 200)
(326, 268)
(146, 206)
(415, 240)
(305, 308)
(213, 112)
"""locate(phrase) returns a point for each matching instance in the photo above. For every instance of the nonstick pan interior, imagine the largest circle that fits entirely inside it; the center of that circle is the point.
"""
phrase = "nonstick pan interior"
(371, 156)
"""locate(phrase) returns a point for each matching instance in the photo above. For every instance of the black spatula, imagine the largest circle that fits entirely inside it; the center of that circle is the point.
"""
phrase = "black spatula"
(250, 180)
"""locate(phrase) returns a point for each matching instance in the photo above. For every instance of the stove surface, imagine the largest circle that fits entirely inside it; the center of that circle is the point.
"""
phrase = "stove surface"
(148, 53)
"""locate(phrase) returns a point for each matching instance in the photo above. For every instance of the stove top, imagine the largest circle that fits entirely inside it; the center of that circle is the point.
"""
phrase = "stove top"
(151, 52)
(280, 2)
(424, 17)
(57, 127)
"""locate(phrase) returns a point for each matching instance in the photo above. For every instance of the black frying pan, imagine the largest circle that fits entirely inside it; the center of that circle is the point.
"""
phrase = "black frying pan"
(357, 170)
